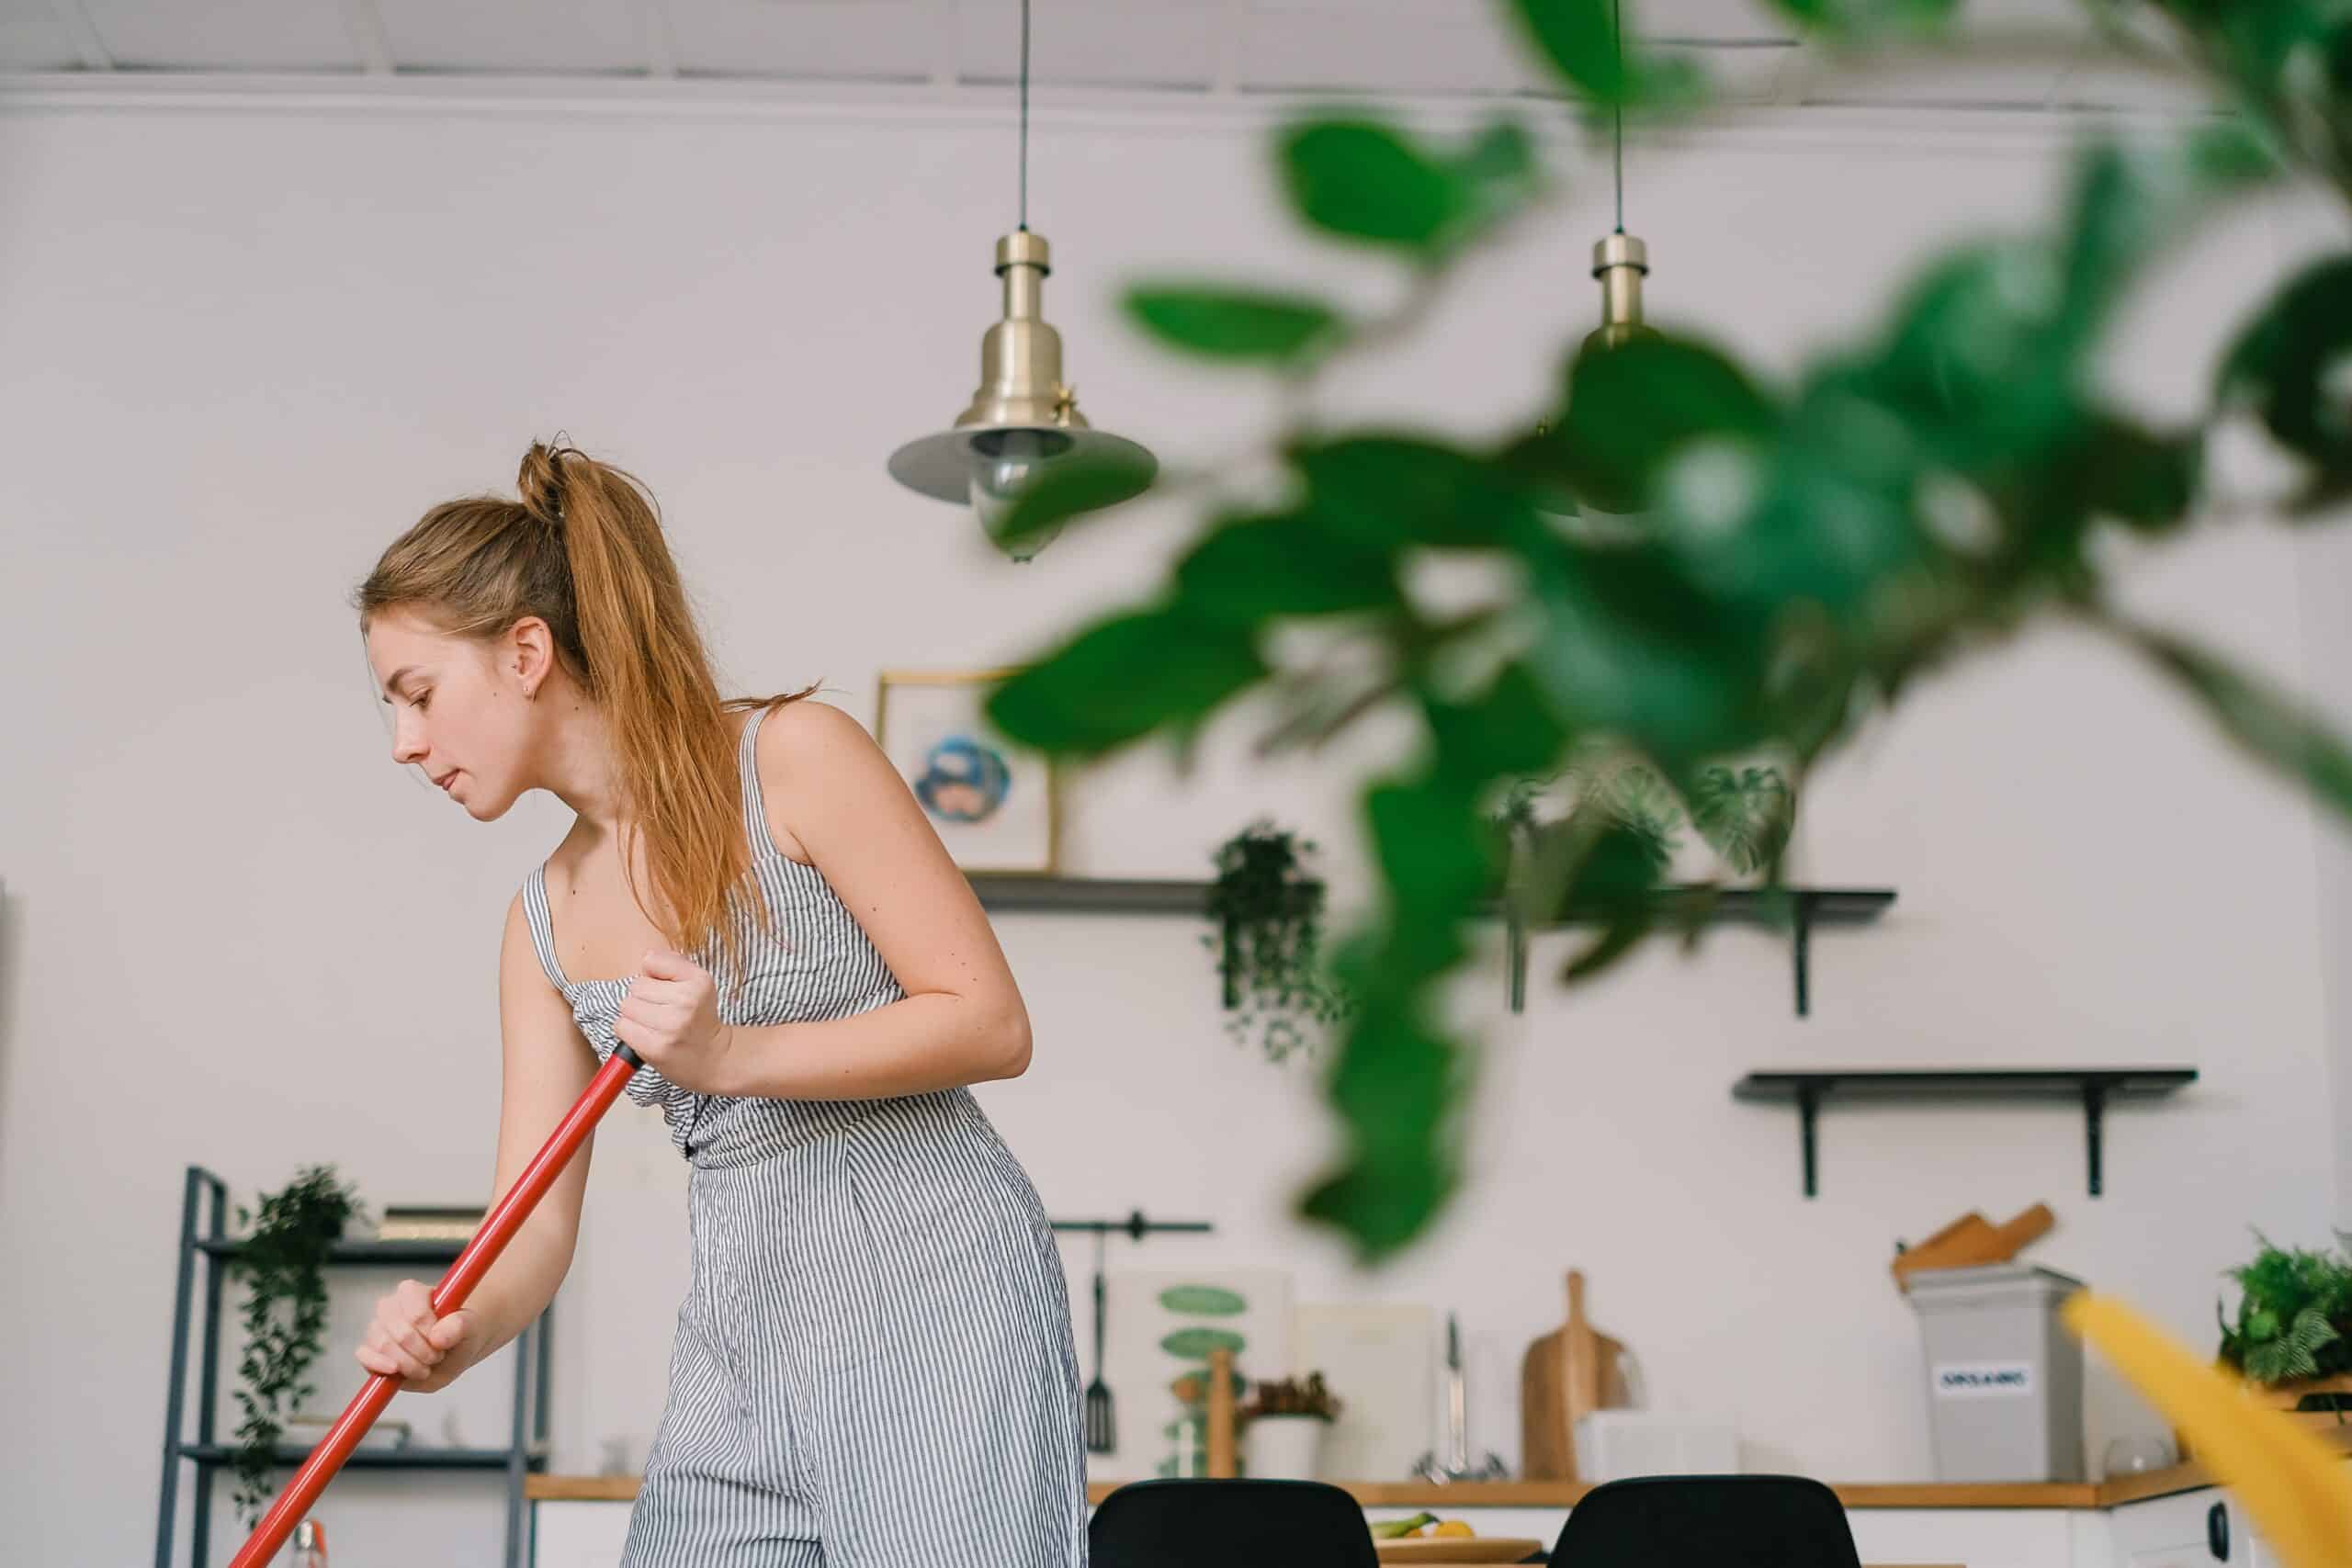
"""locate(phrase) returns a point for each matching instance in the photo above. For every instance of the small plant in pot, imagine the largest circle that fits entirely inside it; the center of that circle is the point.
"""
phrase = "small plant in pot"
(1282, 1428)
(1268, 911)
(2292, 1336)
(285, 1316)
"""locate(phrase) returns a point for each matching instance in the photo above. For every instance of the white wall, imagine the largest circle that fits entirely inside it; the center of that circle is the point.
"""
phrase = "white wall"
(246, 345)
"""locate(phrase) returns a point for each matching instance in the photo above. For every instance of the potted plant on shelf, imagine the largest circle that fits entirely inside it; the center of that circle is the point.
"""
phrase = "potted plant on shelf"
(2292, 1339)
(285, 1316)
(1282, 1428)
(1268, 911)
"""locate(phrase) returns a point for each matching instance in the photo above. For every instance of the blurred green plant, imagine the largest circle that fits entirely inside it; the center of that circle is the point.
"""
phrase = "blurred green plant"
(1706, 566)
(2294, 1309)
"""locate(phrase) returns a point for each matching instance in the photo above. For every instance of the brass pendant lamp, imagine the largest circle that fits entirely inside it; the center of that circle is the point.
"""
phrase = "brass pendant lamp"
(1024, 416)
(1619, 260)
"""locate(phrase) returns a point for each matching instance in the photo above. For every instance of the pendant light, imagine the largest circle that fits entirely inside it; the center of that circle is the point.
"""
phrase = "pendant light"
(1619, 260)
(1024, 417)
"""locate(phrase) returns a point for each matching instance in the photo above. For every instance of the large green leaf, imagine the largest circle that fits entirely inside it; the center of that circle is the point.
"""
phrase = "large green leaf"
(1629, 408)
(1255, 568)
(1364, 180)
(1627, 643)
(1395, 1085)
(1069, 487)
(1123, 678)
(1392, 491)
(2268, 723)
(1233, 324)
(1510, 728)
(1433, 854)
(1587, 42)
(2289, 365)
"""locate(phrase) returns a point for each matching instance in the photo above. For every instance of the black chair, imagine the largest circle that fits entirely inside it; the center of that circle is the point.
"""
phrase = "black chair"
(1707, 1521)
(1230, 1524)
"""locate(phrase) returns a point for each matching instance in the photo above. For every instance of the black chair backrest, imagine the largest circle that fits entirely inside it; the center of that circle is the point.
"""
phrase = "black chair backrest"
(1230, 1524)
(1708, 1521)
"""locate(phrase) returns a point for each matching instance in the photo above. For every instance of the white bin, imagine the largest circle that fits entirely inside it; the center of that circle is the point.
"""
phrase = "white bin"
(2005, 1378)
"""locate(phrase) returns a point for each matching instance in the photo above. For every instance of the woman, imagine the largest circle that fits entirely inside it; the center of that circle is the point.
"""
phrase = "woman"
(872, 1365)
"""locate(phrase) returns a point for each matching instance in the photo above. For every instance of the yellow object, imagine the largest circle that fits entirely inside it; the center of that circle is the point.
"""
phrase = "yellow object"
(1451, 1527)
(2298, 1490)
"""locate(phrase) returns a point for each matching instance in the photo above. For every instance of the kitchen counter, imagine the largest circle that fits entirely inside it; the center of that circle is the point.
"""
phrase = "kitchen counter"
(1414, 1495)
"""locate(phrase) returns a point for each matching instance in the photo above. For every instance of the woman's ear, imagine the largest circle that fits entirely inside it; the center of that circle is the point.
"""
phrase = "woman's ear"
(530, 653)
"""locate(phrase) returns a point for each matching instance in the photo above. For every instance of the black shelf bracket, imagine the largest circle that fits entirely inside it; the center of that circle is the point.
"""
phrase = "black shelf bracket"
(2094, 1087)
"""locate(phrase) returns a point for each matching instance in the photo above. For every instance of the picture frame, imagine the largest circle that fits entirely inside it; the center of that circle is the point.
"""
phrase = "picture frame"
(993, 802)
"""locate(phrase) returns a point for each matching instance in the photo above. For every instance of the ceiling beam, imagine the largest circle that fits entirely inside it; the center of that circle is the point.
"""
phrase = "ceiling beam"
(369, 39)
(84, 33)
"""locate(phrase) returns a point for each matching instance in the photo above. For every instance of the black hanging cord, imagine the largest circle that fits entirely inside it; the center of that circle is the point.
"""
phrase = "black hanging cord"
(1617, 38)
(1024, 114)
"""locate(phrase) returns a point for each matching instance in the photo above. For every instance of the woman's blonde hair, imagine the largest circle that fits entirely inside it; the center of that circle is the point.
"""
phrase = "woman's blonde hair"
(582, 550)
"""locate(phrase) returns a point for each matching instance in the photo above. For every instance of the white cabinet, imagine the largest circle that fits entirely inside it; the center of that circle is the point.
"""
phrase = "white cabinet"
(2189, 1529)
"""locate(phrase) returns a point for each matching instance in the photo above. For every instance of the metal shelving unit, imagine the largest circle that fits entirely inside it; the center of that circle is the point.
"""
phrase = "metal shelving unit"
(204, 1239)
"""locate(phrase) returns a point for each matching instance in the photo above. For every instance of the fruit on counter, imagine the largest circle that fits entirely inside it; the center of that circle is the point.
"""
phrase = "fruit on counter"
(1397, 1529)
(1451, 1527)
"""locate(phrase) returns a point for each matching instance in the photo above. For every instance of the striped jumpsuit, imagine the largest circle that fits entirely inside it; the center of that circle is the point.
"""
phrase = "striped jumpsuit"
(872, 1365)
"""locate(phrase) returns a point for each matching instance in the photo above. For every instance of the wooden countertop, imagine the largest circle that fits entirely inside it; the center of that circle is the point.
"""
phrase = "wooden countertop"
(1559, 1495)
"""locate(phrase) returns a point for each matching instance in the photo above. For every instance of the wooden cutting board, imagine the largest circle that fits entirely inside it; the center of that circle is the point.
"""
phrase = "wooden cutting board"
(1564, 1374)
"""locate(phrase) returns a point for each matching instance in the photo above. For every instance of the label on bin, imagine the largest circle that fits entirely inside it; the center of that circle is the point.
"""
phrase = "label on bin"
(1983, 1379)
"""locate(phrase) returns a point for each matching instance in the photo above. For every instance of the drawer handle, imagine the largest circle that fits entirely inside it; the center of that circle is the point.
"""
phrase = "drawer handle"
(2217, 1532)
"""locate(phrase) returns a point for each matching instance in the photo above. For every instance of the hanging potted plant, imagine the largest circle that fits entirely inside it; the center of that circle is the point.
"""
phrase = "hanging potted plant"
(285, 1316)
(1283, 1427)
(1267, 914)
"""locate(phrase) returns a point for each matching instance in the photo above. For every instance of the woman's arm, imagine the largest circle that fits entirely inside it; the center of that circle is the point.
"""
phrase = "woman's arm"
(547, 1067)
(962, 1020)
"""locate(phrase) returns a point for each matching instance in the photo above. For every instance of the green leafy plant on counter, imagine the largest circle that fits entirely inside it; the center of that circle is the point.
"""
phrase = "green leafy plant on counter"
(1268, 913)
(2294, 1316)
(1696, 562)
(285, 1316)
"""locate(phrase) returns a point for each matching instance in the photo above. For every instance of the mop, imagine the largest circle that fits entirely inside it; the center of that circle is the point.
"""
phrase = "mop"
(498, 1228)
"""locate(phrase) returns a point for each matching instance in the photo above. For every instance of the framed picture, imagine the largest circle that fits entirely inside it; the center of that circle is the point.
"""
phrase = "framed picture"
(991, 799)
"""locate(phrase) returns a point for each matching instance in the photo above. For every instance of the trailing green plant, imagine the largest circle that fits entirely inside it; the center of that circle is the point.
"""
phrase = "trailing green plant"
(1266, 911)
(2294, 1314)
(1695, 560)
(285, 1316)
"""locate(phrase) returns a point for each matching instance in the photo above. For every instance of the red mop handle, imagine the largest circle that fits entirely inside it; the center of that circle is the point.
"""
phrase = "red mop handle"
(498, 1228)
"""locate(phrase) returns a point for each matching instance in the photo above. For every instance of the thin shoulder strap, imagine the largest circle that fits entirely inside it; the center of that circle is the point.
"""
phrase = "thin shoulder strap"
(535, 915)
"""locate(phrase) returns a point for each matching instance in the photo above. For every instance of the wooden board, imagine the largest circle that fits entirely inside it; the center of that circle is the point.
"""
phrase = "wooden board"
(1565, 1375)
(1971, 1240)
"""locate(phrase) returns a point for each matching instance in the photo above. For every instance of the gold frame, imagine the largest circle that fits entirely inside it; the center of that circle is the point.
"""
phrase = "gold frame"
(886, 679)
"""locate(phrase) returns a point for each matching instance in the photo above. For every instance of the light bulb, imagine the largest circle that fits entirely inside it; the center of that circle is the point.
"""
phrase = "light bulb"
(1004, 464)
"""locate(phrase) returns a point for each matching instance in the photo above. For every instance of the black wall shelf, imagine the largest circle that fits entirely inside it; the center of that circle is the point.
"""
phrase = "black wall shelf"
(204, 1239)
(1800, 908)
(2094, 1087)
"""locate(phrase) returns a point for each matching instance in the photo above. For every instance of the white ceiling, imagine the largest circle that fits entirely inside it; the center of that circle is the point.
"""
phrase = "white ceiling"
(1160, 47)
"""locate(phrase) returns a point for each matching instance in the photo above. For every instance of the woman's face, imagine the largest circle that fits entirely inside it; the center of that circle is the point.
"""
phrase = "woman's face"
(459, 706)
